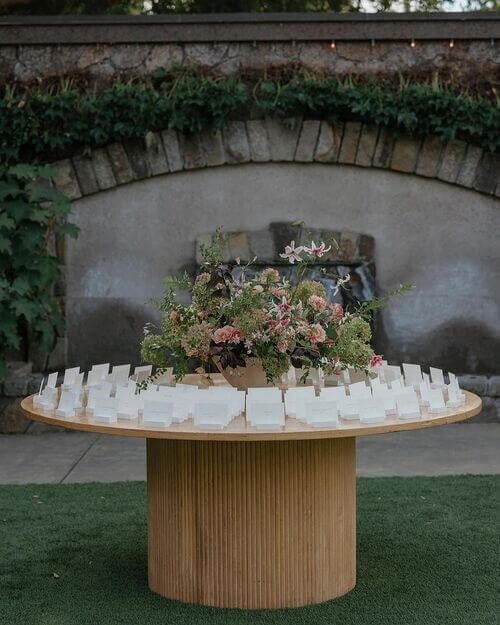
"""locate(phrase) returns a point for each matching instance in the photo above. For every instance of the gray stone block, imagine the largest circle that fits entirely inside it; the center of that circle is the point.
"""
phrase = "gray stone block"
(119, 163)
(282, 140)
(490, 412)
(307, 141)
(493, 389)
(258, 141)
(329, 140)
(65, 179)
(452, 159)
(103, 170)
(236, 143)
(474, 383)
(137, 157)
(191, 150)
(384, 149)
(213, 147)
(34, 381)
(404, 156)
(469, 167)
(155, 154)
(172, 150)
(350, 140)
(85, 174)
(488, 173)
(367, 145)
(16, 386)
(429, 157)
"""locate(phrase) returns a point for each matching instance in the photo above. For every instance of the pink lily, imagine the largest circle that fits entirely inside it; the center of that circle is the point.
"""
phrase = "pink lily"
(292, 253)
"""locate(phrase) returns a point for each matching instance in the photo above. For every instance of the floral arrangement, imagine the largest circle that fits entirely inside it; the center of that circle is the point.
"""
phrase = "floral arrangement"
(234, 319)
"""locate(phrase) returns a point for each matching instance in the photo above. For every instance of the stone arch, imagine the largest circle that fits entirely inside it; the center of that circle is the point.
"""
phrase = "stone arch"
(260, 141)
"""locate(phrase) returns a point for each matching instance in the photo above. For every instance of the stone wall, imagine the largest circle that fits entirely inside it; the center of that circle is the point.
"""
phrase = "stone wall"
(462, 45)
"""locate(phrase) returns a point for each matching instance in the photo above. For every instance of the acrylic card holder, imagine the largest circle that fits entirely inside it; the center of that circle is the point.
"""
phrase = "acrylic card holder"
(157, 412)
(321, 412)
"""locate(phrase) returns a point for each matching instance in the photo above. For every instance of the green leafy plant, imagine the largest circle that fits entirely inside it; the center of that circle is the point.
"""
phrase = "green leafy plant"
(42, 124)
(33, 214)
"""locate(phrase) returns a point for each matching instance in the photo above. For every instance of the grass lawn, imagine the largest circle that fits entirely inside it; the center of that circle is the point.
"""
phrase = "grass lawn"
(428, 554)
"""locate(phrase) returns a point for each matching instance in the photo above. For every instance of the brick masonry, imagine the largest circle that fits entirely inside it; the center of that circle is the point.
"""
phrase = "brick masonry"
(260, 141)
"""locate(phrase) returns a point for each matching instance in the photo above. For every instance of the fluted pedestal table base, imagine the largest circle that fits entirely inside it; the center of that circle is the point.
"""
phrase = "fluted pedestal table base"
(253, 524)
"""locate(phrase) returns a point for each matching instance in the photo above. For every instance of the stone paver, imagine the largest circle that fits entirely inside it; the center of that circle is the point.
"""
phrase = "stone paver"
(47, 456)
(41, 458)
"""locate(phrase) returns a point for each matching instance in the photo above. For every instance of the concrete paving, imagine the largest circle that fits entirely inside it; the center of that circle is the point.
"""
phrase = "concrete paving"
(46, 455)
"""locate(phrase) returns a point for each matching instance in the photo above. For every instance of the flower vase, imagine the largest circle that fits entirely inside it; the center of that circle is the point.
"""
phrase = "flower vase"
(243, 378)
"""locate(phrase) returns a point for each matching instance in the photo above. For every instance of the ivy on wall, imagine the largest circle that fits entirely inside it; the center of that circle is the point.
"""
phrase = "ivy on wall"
(38, 125)
(32, 215)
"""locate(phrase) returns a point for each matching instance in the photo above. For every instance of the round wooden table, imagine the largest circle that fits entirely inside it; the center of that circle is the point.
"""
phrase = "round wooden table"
(250, 519)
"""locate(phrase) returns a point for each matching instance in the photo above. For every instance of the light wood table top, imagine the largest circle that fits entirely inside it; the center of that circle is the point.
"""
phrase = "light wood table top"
(240, 430)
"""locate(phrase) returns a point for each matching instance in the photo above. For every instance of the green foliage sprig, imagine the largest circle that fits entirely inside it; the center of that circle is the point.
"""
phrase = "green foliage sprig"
(32, 214)
(40, 124)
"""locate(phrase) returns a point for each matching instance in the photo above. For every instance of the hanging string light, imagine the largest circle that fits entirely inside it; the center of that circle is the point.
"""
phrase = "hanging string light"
(333, 45)
(412, 43)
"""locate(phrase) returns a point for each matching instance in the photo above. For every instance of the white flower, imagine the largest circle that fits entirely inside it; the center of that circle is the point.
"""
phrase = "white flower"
(292, 253)
(341, 282)
(317, 250)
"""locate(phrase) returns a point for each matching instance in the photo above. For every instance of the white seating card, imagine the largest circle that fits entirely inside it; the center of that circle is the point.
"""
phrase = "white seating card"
(47, 399)
(166, 377)
(144, 369)
(120, 374)
(436, 401)
(455, 397)
(158, 412)
(295, 399)
(392, 372)
(127, 404)
(52, 380)
(70, 376)
(437, 377)
(94, 378)
(359, 390)
(101, 370)
(105, 409)
(321, 412)
(372, 410)
(266, 415)
(396, 385)
(413, 374)
(335, 393)
(265, 393)
(349, 410)
(94, 394)
(66, 407)
(211, 414)
(407, 405)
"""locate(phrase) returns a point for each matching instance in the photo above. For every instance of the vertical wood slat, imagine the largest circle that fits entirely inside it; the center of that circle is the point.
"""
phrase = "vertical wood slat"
(252, 524)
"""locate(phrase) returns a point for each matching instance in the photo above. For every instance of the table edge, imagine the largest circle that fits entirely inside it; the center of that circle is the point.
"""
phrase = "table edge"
(472, 407)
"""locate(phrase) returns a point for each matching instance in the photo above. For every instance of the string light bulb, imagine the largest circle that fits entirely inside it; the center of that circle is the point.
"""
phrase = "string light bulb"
(452, 43)
(412, 43)
(333, 45)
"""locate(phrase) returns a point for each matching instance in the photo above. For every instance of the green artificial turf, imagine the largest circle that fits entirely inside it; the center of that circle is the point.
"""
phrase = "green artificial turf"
(428, 554)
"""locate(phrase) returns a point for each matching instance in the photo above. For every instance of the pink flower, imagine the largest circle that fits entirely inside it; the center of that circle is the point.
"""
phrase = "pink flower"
(258, 288)
(317, 302)
(317, 250)
(277, 292)
(316, 333)
(337, 311)
(174, 316)
(271, 274)
(292, 253)
(228, 334)
(375, 360)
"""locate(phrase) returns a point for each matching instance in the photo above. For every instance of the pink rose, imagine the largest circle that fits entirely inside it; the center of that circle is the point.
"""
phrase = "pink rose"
(228, 334)
(337, 311)
(258, 288)
(317, 302)
(375, 360)
(316, 333)
(174, 316)
(271, 274)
